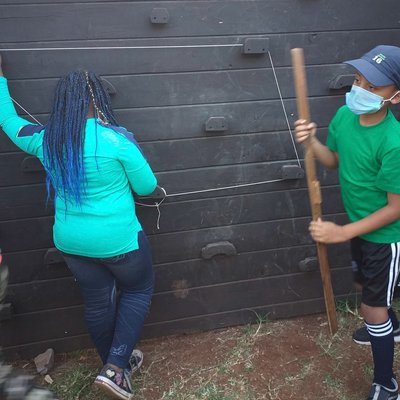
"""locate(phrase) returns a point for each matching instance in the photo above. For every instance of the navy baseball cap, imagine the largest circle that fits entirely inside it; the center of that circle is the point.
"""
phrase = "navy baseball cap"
(380, 66)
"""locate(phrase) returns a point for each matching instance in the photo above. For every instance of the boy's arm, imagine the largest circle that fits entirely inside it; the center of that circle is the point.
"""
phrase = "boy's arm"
(322, 153)
(329, 232)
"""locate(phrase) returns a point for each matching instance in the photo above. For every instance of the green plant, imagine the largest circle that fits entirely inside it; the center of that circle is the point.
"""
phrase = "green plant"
(77, 383)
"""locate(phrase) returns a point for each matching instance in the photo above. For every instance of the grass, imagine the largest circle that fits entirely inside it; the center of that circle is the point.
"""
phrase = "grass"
(77, 383)
(201, 382)
(210, 392)
(251, 362)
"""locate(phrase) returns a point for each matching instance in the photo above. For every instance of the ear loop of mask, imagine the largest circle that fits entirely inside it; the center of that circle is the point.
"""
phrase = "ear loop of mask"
(391, 98)
(100, 113)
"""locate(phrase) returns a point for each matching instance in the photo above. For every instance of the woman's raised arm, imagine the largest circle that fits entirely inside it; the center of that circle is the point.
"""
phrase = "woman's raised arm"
(27, 136)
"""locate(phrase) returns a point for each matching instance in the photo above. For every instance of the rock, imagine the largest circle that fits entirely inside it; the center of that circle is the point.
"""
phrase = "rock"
(44, 362)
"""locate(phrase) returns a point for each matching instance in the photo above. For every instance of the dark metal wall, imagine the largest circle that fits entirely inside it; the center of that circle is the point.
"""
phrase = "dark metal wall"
(166, 96)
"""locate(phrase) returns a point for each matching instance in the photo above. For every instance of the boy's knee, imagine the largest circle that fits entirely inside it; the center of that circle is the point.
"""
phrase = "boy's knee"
(374, 315)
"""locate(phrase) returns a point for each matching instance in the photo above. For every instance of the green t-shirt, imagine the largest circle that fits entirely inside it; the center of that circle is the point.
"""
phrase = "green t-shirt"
(106, 225)
(369, 167)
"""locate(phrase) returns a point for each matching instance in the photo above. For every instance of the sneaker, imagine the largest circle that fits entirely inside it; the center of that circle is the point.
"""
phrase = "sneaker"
(135, 360)
(361, 336)
(116, 384)
(379, 392)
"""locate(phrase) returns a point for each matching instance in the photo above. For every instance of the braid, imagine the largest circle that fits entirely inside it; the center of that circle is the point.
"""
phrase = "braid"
(100, 99)
(64, 136)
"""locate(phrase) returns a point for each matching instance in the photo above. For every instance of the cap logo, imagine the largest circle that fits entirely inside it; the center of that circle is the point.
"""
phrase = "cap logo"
(379, 58)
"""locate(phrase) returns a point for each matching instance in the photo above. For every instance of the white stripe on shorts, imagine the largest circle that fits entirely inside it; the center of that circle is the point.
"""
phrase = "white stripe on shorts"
(393, 272)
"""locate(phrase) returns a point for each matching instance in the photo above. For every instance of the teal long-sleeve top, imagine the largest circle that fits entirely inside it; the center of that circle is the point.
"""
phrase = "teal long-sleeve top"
(105, 225)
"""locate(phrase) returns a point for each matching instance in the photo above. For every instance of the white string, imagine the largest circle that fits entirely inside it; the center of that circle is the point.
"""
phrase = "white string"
(157, 204)
(26, 111)
(222, 188)
(252, 183)
(284, 109)
(124, 47)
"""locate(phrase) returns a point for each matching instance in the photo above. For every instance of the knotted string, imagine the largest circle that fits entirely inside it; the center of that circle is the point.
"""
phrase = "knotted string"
(101, 115)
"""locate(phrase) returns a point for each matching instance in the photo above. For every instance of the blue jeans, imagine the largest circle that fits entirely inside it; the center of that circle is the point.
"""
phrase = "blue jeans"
(115, 322)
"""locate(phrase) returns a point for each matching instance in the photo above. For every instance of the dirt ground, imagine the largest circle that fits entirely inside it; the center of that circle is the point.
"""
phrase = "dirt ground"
(279, 360)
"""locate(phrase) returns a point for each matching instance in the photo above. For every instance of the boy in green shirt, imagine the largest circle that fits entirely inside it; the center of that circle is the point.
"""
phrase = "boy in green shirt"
(364, 144)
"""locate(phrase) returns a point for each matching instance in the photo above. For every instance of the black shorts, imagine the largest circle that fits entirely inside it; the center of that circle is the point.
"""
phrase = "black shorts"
(376, 268)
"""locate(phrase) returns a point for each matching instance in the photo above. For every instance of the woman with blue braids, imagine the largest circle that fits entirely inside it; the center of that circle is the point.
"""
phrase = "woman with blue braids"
(93, 165)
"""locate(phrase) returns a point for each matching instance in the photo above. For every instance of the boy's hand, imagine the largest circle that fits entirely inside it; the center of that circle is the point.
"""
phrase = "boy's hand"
(327, 232)
(304, 131)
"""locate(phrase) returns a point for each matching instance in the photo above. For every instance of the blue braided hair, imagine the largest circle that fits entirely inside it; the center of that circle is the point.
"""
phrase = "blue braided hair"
(64, 135)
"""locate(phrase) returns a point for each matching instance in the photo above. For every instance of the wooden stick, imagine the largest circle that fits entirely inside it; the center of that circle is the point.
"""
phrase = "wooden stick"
(313, 184)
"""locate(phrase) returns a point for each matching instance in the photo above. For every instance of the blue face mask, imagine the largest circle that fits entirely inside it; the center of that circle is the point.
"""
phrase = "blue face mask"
(361, 101)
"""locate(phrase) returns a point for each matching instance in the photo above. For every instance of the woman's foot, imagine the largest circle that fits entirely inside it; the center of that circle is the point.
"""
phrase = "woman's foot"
(114, 383)
(135, 360)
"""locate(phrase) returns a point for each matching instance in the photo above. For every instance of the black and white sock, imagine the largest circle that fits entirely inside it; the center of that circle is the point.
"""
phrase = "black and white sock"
(382, 344)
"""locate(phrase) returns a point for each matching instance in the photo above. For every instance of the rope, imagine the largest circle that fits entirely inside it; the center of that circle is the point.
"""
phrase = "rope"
(189, 46)
(222, 188)
(252, 183)
(26, 111)
(157, 204)
(284, 109)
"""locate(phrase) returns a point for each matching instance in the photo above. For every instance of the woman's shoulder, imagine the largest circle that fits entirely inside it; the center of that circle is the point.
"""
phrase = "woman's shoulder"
(120, 132)
(118, 138)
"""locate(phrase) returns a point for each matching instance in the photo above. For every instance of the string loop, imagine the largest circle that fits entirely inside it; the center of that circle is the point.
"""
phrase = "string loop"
(158, 204)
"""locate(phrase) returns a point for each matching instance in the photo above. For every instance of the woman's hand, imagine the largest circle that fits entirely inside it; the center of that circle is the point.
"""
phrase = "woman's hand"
(328, 232)
(304, 131)
(1, 64)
